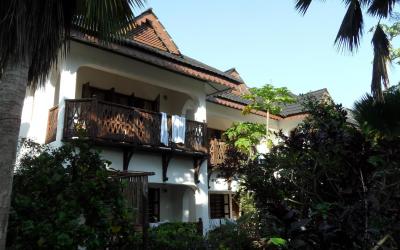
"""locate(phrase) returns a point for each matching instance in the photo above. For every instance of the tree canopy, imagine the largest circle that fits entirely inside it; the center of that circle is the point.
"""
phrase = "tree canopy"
(268, 98)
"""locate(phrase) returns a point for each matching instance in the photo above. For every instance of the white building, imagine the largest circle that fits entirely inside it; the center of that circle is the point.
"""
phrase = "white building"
(115, 93)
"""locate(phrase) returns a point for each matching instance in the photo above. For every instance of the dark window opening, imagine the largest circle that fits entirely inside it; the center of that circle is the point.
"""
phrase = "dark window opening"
(128, 100)
(154, 205)
(215, 134)
(219, 206)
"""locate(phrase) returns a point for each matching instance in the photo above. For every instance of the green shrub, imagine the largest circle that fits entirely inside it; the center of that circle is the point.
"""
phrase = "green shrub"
(327, 186)
(234, 235)
(64, 198)
(176, 236)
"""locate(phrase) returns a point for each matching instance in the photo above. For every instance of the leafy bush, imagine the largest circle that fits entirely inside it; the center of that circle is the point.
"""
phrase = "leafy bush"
(245, 136)
(326, 186)
(239, 235)
(63, 198)
(176, 236)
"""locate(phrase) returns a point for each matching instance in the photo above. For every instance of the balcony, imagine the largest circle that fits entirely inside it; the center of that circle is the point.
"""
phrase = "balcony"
(114, 124)
(217, 151)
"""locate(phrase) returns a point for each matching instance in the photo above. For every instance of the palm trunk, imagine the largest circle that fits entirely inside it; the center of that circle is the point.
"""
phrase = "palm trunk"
(267, 126)
(12, 93)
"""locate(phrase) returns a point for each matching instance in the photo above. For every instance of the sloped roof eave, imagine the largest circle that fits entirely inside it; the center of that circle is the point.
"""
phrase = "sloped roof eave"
(157, 58)
(239, 106)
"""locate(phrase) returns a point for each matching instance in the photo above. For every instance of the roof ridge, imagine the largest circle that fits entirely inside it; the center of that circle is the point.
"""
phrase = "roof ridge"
(318, 90)
(148, 11)
(230, 70)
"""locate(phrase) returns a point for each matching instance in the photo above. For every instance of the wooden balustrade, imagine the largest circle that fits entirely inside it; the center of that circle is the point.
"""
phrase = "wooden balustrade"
(217, 151)
(114, 123)
(51, 132)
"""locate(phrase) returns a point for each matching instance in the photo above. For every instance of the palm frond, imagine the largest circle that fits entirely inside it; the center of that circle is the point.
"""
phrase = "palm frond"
(36, 30)
(381, 8)
(107, 19)
(381, 118)
(302, 6)
(365, 2)
(380, 77)
(351, 29)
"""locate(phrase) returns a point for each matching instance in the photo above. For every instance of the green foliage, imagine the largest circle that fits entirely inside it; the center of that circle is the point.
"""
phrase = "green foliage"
(245, 136)
(247, 204)
(63, 198)
(393, 31)
(268, 98)
(380, 119)
(176, 236)
(326, 186)
(43, 29)
(239, 235)
(276, 241)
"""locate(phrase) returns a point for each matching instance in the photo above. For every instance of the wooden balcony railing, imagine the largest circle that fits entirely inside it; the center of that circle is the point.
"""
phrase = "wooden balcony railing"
(217, 151)
(113, 123)
(52, 125)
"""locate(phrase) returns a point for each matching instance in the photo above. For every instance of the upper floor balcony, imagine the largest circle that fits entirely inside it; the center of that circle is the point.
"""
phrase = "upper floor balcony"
(108, 123)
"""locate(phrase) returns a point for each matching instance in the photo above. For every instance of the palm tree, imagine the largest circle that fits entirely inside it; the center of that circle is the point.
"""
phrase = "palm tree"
(379, 119)
(32, 35)
(351, 30)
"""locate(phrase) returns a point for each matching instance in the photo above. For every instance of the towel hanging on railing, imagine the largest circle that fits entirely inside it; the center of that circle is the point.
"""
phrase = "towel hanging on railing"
(178, 129)
(164, 129)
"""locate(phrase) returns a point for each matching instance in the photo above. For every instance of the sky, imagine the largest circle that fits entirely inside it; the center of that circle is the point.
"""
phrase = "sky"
(268, 41)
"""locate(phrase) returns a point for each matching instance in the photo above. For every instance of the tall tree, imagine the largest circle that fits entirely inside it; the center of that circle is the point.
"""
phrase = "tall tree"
(267, 98)
(351, 31)
(32, 35)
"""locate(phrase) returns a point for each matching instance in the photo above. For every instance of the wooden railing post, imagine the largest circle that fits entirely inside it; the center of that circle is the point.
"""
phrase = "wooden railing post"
(205, 136)
(93, 119)
(65, 126)
(200, 226)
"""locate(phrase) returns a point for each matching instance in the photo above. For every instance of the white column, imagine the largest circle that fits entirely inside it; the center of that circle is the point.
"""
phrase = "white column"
(200, 114)
(201, 198)
(186, 200)
(67, 91)
(201, 194)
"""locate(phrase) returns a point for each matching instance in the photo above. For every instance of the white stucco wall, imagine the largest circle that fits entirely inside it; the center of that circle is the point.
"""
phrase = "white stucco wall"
(288, 124)
(171, 102)
(221, 117)
(177, 202)
(36, 109)
(218, 184)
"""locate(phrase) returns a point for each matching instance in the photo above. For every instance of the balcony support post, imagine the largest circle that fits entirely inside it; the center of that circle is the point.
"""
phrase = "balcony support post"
(127, 155)
(209, 173)
(165, 158)
(197, 162)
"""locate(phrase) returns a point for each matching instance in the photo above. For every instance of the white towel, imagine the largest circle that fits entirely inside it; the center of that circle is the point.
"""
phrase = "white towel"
(178, 129)
(164, 129)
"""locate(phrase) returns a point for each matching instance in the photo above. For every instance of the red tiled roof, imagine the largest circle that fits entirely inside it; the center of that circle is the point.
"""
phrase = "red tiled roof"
(145, 34)
(239, 106)
(147, 29)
